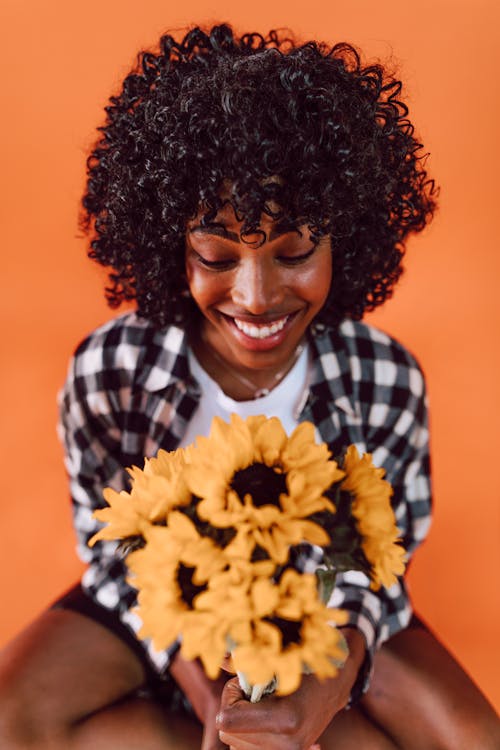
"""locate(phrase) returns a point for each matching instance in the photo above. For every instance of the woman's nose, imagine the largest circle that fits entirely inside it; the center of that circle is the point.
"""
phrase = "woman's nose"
(257, 286)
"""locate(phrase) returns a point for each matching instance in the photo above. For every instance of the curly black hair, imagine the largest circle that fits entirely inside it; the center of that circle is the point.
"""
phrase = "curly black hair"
(216, 109)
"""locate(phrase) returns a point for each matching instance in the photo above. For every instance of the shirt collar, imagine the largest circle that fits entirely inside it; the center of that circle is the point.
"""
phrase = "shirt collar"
(166, 363)
(330, 361)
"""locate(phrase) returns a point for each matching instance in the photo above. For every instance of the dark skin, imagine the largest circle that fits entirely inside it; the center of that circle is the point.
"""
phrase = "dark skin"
(204, 695)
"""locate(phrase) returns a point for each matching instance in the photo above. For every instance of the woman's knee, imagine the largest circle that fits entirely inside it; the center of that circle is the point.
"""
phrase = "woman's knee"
(425, 700)
(60, 669)
(23, 716)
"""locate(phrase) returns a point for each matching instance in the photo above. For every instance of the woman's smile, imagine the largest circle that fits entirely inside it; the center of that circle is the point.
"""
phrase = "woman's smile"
(260, 334)
(261, 331)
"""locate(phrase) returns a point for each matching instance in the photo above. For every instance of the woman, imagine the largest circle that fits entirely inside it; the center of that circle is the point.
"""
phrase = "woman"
(253, 196)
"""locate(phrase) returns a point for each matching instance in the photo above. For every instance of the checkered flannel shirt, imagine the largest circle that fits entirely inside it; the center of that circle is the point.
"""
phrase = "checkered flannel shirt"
(129, 392)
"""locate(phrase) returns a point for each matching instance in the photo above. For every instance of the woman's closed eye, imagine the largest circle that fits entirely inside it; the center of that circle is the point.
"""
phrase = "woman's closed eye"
(216, 265)
(296, 260)
(227, 263)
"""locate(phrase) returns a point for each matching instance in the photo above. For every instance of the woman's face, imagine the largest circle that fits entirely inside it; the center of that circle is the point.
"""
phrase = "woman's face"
(257, 299)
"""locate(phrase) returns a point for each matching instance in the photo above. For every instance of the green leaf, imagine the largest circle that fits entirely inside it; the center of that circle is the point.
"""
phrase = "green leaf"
(326, 583)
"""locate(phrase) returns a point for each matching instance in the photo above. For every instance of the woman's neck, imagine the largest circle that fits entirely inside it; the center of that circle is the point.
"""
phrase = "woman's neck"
(235, 380)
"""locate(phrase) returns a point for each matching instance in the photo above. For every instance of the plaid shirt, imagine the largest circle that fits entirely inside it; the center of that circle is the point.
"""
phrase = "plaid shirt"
(129, 393)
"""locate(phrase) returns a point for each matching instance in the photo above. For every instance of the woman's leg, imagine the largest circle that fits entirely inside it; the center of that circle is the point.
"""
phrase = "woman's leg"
(422, 698)
(68, 683)
(138, 724)
(419, 699)
(352, 730)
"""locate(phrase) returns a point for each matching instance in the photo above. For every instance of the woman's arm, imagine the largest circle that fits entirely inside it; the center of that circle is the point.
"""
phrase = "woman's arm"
(104, 428)
(386, 415)
(203, 694)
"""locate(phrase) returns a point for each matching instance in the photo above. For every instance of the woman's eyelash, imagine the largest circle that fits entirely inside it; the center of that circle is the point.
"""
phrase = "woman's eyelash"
(285, 259)
(214, 263)
(296, 259)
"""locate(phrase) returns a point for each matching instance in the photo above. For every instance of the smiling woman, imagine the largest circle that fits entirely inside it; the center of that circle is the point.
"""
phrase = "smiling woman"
(253, 196)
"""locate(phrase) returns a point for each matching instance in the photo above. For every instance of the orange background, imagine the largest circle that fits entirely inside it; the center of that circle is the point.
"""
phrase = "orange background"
(60, 63)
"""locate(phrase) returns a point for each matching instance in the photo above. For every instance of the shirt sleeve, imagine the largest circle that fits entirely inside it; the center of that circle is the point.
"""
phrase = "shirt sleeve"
(397, 436)
(92, 410)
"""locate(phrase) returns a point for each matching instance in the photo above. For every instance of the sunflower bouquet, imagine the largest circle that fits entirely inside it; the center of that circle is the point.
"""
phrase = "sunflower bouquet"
(215, 537)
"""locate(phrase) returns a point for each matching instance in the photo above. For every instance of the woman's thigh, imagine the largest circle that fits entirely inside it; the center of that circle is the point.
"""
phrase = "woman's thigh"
(67, 665)
(352, 730)
(137, 724)
(424, 700)
(69, 682)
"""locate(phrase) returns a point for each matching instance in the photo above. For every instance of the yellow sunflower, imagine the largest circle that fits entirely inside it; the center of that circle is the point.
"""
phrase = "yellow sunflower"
(251, 477)
(274, 629)
(169, 572)
(285, 647)
(233, 598)
(204, 637)
(374, 516)
(241, 593)
(155, 490)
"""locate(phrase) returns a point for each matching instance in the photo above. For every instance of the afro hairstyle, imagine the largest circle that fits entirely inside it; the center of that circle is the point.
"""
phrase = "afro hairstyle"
(302, 132)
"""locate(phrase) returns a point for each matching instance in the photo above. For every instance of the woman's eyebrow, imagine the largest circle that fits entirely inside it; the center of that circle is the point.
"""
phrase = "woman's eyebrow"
(283, 228)
(217, 229)
(221, 231)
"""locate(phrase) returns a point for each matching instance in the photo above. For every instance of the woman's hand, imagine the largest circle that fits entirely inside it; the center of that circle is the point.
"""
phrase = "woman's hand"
(292, 722)
(203, 694)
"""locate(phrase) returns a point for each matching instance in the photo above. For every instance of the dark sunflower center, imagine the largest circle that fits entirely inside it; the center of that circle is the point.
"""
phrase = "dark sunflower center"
(289, 629)
(264, 483)
(185, 580)
(222, 537)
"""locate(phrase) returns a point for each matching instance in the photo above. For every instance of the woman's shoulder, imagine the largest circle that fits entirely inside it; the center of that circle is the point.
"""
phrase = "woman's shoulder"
(127, 344)
(122, 329)
(366, 357)
(371, 344)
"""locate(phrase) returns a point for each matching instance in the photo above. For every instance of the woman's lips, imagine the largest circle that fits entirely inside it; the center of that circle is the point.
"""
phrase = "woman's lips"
(260, 336)
(256, 331)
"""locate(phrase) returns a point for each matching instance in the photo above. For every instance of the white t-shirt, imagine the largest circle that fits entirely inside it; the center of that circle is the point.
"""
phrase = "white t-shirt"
(285, 400)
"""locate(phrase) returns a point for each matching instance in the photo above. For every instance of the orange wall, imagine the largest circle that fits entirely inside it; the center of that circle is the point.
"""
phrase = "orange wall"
(60, 63)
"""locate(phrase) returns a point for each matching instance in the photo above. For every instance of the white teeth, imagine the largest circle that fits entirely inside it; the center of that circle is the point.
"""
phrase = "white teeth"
(260, 332)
